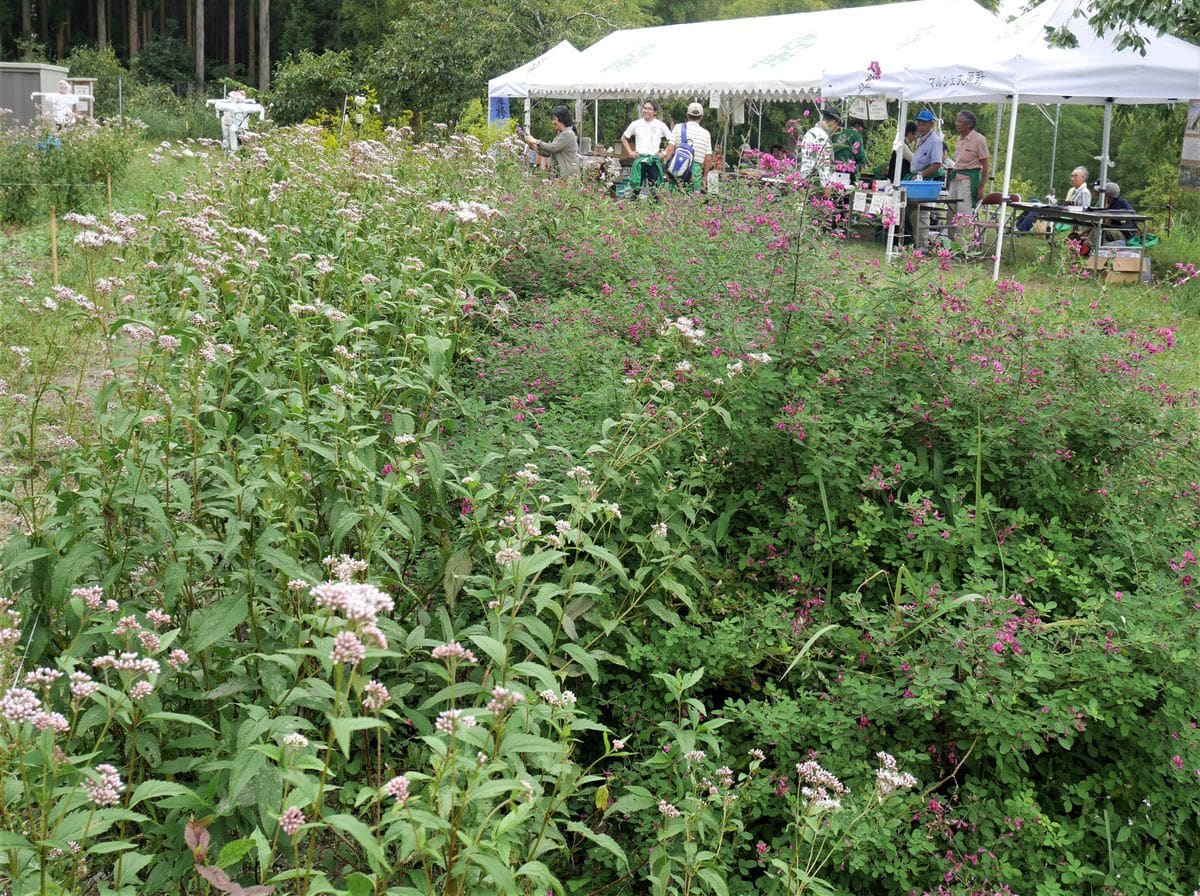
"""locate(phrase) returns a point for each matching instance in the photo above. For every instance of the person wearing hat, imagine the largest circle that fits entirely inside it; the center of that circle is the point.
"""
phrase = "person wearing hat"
(1118, 203)
(693, 133)
(816, 148)
(926, 165)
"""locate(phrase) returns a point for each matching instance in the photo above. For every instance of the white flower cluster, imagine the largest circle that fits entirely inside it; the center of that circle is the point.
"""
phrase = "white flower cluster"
(686, 328)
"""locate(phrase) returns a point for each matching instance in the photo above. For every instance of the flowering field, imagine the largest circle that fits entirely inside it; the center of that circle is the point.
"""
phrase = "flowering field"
(390, 523)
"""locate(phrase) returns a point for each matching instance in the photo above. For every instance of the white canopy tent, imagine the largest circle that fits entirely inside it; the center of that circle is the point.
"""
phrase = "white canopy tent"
(768, 57)
(515, 84)
(1018, 66)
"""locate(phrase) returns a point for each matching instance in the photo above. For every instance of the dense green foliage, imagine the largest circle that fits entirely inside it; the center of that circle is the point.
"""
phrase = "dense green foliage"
(660, 507)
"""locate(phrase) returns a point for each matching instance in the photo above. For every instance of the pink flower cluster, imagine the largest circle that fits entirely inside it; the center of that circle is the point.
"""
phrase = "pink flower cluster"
(353, 602)
(107, 790)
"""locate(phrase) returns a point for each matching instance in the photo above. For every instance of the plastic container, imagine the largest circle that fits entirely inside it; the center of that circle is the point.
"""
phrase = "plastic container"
(922, 189)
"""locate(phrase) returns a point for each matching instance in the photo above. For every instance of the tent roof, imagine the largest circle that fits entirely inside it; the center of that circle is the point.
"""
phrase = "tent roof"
(516, 82)
(1016, 59)
(769, 57)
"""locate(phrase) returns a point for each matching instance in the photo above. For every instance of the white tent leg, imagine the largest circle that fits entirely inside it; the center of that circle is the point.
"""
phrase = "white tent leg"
(1008, 155)
(1108, 111)
(596, 122)
(1054, 148)
(527, 107)
(996, 142)
(897, 156)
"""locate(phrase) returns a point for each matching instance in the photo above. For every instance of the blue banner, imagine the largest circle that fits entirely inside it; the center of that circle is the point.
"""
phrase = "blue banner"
(498, 109)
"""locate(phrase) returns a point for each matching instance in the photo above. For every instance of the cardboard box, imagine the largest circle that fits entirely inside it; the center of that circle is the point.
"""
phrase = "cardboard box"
(1118, 277)
(1116, 260)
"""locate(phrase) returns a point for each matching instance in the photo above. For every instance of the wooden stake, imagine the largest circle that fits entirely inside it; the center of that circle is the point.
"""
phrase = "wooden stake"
(108, 187)
(53, 247)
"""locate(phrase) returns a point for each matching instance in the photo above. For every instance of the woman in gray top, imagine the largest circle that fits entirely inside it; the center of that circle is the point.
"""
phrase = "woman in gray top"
(564, 148)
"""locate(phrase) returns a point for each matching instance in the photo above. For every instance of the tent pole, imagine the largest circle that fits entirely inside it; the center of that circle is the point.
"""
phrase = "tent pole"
(596, 122)
(1012, 133)
(996, 142)
(1108, 111)
(897, 155)
(1054, 148)
(527, 102)
(760, 108)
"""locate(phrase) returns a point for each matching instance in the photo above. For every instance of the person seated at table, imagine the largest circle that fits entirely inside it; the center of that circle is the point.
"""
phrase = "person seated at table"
(648, 134)
(564, 148)
(1113, 199)
(1079, 196)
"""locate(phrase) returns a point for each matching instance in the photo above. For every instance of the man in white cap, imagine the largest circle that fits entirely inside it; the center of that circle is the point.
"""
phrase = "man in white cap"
(691, 133)
(926, 165)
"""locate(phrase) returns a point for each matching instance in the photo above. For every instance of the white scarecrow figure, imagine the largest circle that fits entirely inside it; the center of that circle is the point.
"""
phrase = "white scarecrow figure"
(235, 111)
(61, 107)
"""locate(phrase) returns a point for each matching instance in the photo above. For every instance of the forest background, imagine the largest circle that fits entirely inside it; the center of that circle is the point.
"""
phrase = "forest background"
(432, 62)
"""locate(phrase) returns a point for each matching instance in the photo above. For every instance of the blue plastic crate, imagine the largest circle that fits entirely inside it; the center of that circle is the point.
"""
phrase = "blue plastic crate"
(922, 189)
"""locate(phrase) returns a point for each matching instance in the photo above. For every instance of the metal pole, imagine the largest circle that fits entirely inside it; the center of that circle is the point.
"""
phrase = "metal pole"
(596, 123)
(996, 142)
(1108, 111)
(1012, 133)
(1054, 149)
(897, 152)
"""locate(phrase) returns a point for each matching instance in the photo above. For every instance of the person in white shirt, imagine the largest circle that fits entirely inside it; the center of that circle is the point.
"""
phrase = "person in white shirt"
(648, 133)
(816, 150)
(701, 142)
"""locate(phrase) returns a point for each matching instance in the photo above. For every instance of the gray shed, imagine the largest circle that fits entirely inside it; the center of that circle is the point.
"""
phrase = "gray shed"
(19, 79)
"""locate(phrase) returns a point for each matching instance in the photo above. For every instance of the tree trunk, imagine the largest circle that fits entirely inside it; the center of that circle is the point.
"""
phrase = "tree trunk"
(189, 18)
(26, 19)
(134, 44)
(232, 36)
(64, 32)
(200, 44)
(264, 45)
(44, 23)
(251, 43)
(101, 24)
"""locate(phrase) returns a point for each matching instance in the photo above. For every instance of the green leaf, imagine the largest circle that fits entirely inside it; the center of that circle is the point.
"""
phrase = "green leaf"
(608, 558)
(634, 799)
(281, 561)
(715, 879)
(210, 624)
(153, 790)
(496, 869)
(10, 840)
(344, 728)
(362, 836)
(493, 648)
(602, 840)
(234, 851)
(179, 717)
(358, 884)
(458, 568)
(585, 659)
